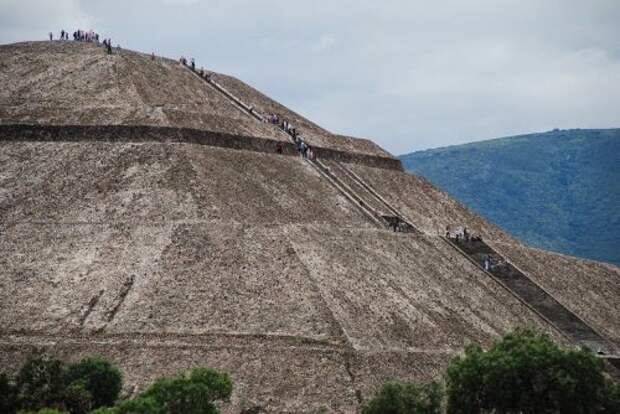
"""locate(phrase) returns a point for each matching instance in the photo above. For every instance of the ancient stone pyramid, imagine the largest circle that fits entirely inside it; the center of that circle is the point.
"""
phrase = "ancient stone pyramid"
(146, 217)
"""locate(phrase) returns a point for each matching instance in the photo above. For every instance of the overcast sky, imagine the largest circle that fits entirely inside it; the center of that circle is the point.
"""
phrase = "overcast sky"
(408, 74)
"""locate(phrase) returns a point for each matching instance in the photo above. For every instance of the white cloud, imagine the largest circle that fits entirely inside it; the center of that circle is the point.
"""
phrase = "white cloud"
(324, 43)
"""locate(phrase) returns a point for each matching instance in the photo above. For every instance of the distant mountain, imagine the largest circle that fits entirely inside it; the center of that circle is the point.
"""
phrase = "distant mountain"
(558, 190)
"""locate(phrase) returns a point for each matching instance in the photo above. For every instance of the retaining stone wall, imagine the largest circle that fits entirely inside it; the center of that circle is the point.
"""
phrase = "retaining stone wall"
(142, 133)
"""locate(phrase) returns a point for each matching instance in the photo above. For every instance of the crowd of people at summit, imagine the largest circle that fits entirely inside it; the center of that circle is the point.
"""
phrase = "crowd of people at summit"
(305, 150)
(85, 36)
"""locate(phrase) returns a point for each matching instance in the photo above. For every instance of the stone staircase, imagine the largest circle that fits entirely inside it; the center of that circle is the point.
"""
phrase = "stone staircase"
(391, 212)
(352, 192)
(532, 294)
(346, 191)
(245, 108)
(364, 196)
(337, 170)
(508, 275)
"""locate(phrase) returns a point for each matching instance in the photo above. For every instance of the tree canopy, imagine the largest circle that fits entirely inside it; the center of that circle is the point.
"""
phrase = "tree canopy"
(526, 373)
(406, 398)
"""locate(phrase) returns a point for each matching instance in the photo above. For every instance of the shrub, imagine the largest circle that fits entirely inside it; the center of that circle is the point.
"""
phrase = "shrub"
(77, 399)
(406, 398)
(40, 384)
(140, 405)
(102, 380)
(105, 410)
(611, 400)
(8, 395)
(194, 393)
(525, 372)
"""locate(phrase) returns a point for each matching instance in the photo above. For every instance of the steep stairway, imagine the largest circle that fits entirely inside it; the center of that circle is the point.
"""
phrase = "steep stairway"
(514, 280)
(347, 191)
(336, 169)
(518, 283)
(392, 213)
(363, 196)
(532, 294)
(356, 193)
(245, 108)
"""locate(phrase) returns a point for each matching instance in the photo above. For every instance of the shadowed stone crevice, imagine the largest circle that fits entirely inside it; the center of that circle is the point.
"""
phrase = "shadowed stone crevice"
(85, 313)
(125, 288)
(387, 212)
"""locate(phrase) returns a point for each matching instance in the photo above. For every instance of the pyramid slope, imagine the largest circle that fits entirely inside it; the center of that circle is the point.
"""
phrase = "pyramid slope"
(164, 254)
(131, 252)
(157, 215)
(78, 84)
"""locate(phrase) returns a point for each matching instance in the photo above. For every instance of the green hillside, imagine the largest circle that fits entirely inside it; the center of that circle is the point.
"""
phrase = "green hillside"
(557, 190)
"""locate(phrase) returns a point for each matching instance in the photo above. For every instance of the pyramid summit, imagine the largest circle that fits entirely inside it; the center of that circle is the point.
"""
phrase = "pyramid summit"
(154, 216)
(75, 83)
